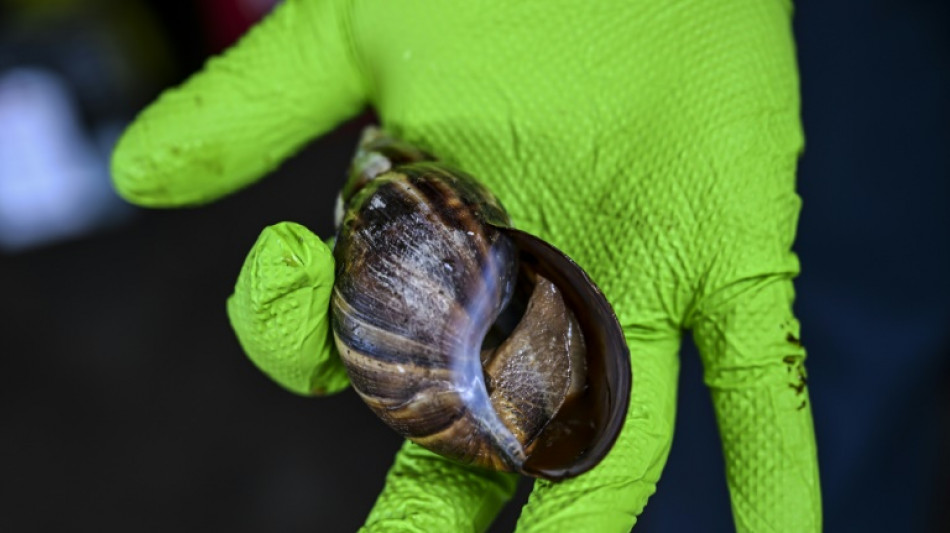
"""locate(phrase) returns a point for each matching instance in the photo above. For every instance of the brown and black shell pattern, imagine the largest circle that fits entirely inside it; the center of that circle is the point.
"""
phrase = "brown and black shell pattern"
(479, 342)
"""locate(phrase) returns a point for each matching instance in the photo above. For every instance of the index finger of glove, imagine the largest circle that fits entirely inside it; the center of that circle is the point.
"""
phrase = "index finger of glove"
(289, 79)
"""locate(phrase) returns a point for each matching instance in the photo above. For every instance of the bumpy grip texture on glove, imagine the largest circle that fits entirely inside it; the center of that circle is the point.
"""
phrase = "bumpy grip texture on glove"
(653, 142)
(280, 310)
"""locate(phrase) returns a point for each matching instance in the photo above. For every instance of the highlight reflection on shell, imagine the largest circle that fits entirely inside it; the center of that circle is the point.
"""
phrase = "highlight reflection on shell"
(475, 340)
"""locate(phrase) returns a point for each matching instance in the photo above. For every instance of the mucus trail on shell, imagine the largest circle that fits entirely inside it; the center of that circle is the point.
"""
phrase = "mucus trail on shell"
(474, 394)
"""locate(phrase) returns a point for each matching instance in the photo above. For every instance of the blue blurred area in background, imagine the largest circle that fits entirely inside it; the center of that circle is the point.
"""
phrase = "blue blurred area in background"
(71, 74)
(148, 418)
(54, 177)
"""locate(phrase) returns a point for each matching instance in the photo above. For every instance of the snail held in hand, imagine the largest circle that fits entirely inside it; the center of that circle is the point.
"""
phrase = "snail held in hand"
(477, 341)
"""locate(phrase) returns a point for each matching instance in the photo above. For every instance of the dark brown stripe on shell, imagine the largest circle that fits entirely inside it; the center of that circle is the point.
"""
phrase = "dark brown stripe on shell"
(387, 381)
(386, 345)
(428, 412)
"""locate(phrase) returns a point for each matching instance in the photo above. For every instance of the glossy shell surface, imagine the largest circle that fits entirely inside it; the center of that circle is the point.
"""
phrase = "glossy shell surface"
(475, 340)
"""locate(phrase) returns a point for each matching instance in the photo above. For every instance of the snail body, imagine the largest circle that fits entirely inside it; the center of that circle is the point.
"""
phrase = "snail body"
(475, 340)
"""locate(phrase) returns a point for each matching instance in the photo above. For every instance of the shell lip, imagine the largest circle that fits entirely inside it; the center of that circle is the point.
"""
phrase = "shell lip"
(608, 391)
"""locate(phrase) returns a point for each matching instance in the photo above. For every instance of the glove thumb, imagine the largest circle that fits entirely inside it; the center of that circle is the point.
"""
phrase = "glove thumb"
(280, 310)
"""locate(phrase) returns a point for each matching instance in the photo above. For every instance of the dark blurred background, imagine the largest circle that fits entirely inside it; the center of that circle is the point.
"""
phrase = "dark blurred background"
(127, 405)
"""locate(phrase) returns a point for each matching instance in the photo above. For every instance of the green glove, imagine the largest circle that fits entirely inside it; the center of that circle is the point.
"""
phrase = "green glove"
(653, 142)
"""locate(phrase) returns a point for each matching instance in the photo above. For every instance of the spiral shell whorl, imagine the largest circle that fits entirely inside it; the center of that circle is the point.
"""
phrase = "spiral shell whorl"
(425, 279)
(478, 341)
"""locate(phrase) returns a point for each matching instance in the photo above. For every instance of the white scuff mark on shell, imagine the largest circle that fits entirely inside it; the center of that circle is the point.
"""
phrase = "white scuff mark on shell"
(376, 164)
(338, 211)
(377, 203)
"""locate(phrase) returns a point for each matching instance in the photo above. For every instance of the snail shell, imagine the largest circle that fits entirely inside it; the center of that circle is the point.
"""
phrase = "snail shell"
(477, 341)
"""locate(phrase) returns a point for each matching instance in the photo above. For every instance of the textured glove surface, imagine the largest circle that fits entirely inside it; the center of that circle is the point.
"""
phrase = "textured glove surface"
(653, 142)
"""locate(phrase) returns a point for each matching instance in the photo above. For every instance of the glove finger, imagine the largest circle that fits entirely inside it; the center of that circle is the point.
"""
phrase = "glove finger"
(289, 79)
(280, 310)
(754, 366)
(612, 495)
(425, 492)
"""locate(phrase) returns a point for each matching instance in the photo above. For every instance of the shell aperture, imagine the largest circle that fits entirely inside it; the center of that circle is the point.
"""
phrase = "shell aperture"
(466, 336)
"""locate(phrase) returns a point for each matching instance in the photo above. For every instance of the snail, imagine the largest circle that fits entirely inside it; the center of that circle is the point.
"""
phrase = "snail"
(473, 339)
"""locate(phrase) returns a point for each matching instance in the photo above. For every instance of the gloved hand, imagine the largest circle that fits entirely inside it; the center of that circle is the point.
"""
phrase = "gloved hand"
(653, 142)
